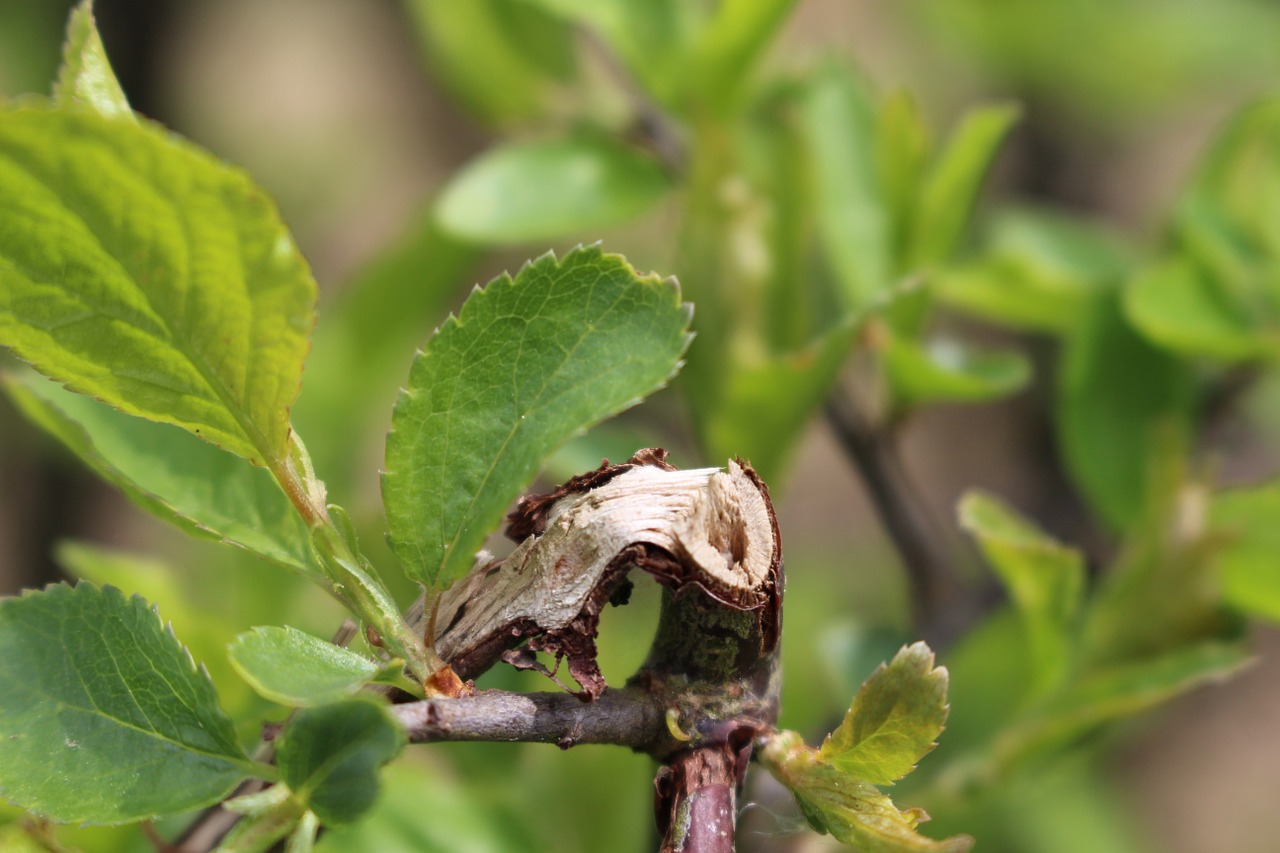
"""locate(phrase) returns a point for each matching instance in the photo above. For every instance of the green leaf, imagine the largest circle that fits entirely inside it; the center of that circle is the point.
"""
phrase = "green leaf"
(86, 76)
(1117, 391)
(525, 192)
(329, 756)
(1117, 692)
(943, 370)
(894, 720)
(1178, 306)
(171, 473)
(765, 405)
(1248, 520)
(951, 188)
(849, 809)
(288, 666)
(94, 688)
(1045, 579)
(140, 270)
(839, 122)
(732, 41)
(502, 58)
(650, 36)
(423, 810)
(1040, 272)
(528, 363)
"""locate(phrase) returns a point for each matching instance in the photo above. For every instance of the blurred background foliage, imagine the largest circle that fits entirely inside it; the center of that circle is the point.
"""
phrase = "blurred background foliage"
(1031, 248)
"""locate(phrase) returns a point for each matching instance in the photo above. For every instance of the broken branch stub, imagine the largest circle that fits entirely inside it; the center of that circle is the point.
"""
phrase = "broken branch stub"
(707, 531)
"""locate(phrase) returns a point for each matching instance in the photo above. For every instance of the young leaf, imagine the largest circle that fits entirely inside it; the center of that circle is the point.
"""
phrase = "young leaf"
(894, 720)
(94, 688)
(528, 363)
(1247, 519)
(764, 406)
(1044, 578)
(947, 370)
(329, 756)
(86, 76)
(535, 191)
(171, 473)
(1180, 307)
(502, 58)
(852, 218)
(1116, 391)
(140, 270)
(949, 191)
(1116, 692)
(288, 666)
(733, 39)
(849, 809)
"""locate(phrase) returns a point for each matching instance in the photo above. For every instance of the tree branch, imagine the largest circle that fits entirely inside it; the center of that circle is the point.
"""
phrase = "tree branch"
(625, 717)
(696, 801)
(939, 605)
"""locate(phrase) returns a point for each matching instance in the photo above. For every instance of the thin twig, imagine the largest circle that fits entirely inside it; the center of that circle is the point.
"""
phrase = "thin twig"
(938, 603)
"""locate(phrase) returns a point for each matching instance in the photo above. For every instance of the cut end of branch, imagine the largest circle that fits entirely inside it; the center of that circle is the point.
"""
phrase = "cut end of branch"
(707, 529)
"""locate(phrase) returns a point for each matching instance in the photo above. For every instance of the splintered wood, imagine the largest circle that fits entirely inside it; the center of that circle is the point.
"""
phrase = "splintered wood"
(710, 528)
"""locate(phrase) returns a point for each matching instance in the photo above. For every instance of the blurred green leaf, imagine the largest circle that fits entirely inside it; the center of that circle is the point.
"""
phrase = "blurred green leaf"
(1044, 578)
(1115, 391)
(849, 809)
(93, 687)
(942, 370)
(330, 755)
(502, 58)
(1141, 57)
(140, 270)
(894, 720)
(528, 363)
(426, 810)
(171, 473)
(765, 405)
(525, 192)
(840, 126)
(363, 348)
(650, 36)
(731, 42)
(86, 77)
(1163, 570)
(950, 190)
(1117, 692)
(1175, 306)
(1039, 271)
(1249, 557)
(291, 667)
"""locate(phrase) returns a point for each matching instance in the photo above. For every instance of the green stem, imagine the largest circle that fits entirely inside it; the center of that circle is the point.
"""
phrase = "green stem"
(352, 578)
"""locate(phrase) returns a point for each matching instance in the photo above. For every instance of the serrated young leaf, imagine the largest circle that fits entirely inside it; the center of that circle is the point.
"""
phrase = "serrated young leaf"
(85, 77)
(329, 756)
(528, 363)
(894, 720)
(171, 473)
(288, 666)
(850, 809)
(94, 688)
(138, 269)
(1045, 579)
